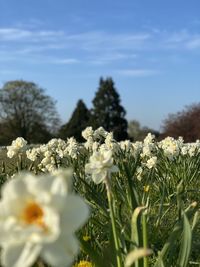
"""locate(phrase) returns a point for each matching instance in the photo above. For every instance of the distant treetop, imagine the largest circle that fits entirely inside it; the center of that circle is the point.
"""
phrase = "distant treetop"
(185, 123)
(26, 111)
(107, 110)
(77, 123)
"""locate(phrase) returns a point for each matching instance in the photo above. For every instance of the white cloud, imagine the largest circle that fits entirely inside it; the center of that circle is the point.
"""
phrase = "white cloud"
(64, 61)
(98, 40)
(39, 45)
(177, 37)
(137, 72)
(194, 43)
(16, 34)
(96, 47)
(112, 57)
(183, 40)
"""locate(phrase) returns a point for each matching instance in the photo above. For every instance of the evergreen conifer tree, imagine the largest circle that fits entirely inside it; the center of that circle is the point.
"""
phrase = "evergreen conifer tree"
(77, 123)
(107, 110)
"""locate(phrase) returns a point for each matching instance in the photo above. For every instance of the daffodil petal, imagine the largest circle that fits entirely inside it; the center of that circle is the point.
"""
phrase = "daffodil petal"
(18, 255)
(74, 214)
(62, 252)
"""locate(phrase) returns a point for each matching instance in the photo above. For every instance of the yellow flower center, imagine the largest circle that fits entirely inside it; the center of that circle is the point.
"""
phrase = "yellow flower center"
(146, 188)
(84, 264)
(86, 238)
(33, 214)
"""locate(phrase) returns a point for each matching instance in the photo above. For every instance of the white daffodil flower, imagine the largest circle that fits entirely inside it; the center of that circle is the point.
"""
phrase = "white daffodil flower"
(151, 162)
(16, 147)
(100, 165)
(38, 217)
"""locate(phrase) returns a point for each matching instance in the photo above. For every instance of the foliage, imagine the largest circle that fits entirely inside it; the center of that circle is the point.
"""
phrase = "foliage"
(77, 123)
(26, 111)
(107, 110)
(138, 133)
(184, 123)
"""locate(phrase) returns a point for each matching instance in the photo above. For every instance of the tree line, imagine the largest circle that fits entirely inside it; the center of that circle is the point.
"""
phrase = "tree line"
(27, 111)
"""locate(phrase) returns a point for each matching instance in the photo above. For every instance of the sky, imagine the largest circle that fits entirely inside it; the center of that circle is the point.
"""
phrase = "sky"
(151, 49)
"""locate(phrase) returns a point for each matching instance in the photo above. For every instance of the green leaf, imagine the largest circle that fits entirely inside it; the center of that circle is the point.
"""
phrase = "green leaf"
(136, 235)
(186, 242)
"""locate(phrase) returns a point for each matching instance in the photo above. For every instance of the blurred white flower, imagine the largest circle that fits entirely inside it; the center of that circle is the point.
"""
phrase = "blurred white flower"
(111, 143)
(147, 150)
(38, 217)
(32, 154)
(99, 133)
(126, 145)
(16, 147)
(100, 165)
(171, 147)
(184, 150)
(151, 162)
(72, 148)
(149, 139)
(89, 143)
(87, 133)
(139, 172)
(95, 146)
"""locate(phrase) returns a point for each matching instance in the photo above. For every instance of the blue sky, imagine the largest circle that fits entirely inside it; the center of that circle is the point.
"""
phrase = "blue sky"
(151, 49)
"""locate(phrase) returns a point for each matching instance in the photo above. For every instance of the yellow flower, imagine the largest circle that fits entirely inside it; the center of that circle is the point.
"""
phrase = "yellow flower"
(86, 238)
(146, 188)
(84, 264)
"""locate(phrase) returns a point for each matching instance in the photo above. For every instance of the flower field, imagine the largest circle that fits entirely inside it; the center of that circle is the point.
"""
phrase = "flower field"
(100, 203)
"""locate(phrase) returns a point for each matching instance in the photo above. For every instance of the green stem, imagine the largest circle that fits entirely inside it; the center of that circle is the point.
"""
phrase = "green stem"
(145, 236)
(114, 229)
(19, 163)
(132, 193)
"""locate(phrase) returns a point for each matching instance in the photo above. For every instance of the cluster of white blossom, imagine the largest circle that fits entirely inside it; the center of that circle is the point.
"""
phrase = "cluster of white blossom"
(137, 148)
(151, 162)
(102, 145)
(99, 144)
(99, 139)
(149, 146)
(18, 145)
(51, 154)
(101, 165)
(171, 147)
(126, 145)
(190, 149)
(147, 150)
(33, 153)
(73, 148)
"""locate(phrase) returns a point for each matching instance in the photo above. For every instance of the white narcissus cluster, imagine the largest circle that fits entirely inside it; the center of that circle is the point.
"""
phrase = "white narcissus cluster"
(87, 133)
(100, 165)
(16, 147)
(151, 162)
(38, 218)
(171, 147)
(51, 154)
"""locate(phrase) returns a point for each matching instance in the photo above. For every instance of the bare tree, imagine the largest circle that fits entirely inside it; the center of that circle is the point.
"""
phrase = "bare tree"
(185, 123)
(26, 111)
